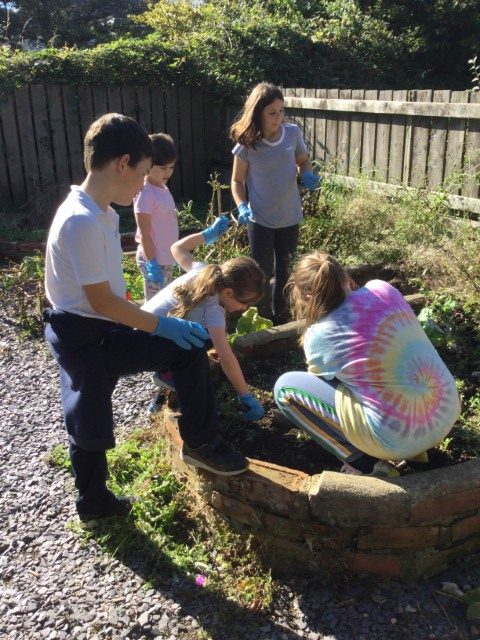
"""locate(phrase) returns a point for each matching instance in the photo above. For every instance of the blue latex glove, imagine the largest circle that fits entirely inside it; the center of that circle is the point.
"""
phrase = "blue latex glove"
(154, 272)
(217, 229)
(310, 180)
(255, 411)
(244, 213)
(183, 332)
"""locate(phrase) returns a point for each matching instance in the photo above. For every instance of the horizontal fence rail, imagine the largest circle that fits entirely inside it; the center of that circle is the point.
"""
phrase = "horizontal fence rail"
(416, 139)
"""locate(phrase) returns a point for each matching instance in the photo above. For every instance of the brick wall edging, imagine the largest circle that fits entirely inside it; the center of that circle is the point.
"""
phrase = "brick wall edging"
(405, 528)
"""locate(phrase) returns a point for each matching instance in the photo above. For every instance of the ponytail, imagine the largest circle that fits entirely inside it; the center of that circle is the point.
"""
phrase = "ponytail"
(192, 292)
(316, 287)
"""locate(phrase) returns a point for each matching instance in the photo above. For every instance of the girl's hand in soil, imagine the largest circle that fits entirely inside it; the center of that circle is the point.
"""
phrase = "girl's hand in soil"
(254, 410)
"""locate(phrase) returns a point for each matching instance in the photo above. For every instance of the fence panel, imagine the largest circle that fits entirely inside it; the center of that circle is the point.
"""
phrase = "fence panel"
(73, 112)
(472, 155)
(12, 150)
(356, 137)
(343, 132)
(397, 143)
(185, 139)
(438, 140)
(59, 137)
(369, 137)
(416, 138)
(382, 142)
(455, 144)
(420, 141)
(26, 137)
(43, 143)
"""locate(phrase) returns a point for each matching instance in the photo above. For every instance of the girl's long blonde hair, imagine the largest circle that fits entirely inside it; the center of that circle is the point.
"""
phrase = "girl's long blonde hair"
(317, 286)
(242, 275)
(247, 130)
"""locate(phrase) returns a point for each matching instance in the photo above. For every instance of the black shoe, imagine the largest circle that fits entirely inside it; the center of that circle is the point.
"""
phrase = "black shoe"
(216, 456)
(113, 506)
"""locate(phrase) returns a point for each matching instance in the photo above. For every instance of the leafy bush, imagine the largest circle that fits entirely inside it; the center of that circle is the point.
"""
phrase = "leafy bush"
(228, 46)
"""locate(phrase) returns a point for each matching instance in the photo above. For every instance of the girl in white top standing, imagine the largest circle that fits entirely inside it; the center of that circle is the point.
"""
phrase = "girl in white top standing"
(267, 157)
(207, 293)
(157, 225)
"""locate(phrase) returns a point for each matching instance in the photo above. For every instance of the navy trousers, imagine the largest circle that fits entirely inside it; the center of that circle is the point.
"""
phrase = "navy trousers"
(273, 249)
(92, 355)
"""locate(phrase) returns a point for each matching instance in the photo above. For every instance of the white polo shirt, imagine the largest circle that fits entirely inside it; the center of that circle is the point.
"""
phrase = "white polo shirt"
(83, 248)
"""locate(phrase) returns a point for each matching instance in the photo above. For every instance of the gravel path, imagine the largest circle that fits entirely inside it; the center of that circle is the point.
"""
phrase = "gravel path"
(54, 586)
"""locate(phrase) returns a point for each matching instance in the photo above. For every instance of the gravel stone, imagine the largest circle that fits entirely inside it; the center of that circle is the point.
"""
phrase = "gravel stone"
(54, 586)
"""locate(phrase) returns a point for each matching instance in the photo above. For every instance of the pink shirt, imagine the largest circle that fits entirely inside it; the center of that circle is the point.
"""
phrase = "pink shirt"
(158, 203)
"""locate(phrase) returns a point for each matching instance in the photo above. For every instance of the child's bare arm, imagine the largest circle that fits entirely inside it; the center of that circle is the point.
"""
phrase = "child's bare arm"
(304, 163)
(144, 223)
(181, 250)
(239, 178)
(228, 360)
(108, 304)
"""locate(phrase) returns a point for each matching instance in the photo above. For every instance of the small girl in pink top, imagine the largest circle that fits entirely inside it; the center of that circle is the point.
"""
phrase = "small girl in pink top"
(157, 226)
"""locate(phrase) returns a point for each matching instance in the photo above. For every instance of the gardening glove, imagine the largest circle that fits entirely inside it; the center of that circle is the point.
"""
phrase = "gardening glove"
(310, 180)
(254, 410)
(183, 332)
(217, 229)
(244, 213)
(154, 272)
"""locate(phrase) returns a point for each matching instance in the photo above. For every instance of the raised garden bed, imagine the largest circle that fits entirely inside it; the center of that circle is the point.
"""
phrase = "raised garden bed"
(310, 517)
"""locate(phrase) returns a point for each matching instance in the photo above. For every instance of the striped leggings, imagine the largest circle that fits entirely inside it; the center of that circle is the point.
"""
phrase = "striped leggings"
(309, 402)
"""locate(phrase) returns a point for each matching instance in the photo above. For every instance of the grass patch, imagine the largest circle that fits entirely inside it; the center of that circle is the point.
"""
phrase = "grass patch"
(168, 533)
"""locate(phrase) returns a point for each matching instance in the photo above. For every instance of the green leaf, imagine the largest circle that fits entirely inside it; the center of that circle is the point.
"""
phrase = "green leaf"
(469, 597)
(473, 611)
(250, 322)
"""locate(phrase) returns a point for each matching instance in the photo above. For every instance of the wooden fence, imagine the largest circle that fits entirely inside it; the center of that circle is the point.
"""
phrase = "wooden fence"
(42, 129)
(412, 138)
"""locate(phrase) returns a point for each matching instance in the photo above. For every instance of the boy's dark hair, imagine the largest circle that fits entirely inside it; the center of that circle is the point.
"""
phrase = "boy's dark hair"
(164, 151)
(114, 135)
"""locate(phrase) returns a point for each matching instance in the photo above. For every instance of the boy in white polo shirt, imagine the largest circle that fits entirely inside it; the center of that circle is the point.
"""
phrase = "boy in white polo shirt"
(96, 335)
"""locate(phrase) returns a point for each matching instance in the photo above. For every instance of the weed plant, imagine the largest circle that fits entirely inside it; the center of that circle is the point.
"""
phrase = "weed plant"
(168, 533)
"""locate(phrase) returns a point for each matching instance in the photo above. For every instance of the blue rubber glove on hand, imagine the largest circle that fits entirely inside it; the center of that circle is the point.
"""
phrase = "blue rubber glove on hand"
(255, 411)
(244, 213)
(154, 272)
(217, 229)
(310, 180)
(183, 332)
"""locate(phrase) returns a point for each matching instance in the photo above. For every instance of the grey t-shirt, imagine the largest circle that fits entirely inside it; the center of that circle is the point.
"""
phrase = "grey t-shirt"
(272, 178)
(208, 313)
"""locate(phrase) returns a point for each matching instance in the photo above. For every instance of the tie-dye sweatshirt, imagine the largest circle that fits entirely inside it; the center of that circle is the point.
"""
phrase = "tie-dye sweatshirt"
(396, 397)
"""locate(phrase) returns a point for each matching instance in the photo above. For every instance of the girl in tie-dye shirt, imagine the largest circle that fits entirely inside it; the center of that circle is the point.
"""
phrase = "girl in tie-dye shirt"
(379, 389)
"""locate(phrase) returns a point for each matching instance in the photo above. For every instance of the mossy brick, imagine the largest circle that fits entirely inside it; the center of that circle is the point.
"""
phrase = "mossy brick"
(442, 493)
(431, 564)
(399, 538)
(465, 528)
(353, 501)
(279, 526)
(384, 565)
(276, 489)
(444, 506)
(237, 510)
(286, 556)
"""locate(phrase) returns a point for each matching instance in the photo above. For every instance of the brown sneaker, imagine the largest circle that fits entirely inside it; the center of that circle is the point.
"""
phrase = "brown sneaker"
(216, 456)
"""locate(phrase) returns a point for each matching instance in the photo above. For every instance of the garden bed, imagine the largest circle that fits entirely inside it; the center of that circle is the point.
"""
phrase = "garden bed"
(310, 518)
